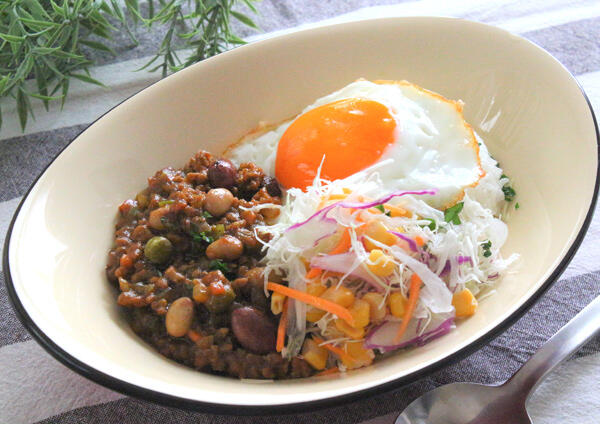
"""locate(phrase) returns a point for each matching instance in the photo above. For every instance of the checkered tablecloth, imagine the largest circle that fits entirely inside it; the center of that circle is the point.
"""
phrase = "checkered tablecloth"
(36, 388)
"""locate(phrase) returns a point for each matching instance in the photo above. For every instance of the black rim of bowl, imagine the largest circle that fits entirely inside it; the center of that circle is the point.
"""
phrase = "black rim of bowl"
(231, 409)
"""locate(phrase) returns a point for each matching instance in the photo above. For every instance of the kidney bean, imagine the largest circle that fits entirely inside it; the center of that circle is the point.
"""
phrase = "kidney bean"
(272, 186)
(254, 330)
(222, 173)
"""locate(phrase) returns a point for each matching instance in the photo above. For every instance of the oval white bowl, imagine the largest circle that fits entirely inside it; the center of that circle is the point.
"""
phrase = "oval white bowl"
(529, 109)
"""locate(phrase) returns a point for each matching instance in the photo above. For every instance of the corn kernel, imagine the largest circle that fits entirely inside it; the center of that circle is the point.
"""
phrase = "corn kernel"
(377, 231)
(200, 292)
(332, 332)
(357, 356)
(315, 355)
(352, 332)
(343, 296)
(277, 300)
(397, 304)
(465, 303)
(380, 263)
(314, 314)
(315, 289)
(377, 309)
(360, 311)
(397, 211)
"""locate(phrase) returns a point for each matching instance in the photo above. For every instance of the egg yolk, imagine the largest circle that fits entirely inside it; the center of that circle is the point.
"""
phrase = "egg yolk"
(352, 134)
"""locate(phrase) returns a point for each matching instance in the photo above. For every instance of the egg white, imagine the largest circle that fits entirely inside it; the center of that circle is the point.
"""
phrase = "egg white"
(434, 147)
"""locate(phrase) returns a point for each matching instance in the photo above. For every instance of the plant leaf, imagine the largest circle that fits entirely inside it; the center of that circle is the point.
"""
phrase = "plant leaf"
(250, 6)
(65, 90)
(12, 38)
(244, 19)
(87, 78)
(37, 23)
(42, 97)
(22, 109)
(98, 46)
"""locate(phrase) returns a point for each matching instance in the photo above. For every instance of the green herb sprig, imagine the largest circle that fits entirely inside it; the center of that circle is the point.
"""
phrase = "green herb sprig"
(486, 246)
(451, 214)
(509, 192)
(218, 264)
(202, 237)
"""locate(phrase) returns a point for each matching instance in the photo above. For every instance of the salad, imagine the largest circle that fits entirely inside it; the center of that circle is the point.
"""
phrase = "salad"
(370, 272)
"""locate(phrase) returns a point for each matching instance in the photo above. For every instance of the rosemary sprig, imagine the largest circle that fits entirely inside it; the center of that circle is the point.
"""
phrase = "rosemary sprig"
(41, 40)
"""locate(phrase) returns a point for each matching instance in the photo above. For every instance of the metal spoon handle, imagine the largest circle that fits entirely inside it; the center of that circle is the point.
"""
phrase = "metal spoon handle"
(584, 326)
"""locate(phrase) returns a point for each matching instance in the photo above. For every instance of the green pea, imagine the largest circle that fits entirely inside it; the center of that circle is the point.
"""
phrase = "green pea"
(219, 303)
(158, 249)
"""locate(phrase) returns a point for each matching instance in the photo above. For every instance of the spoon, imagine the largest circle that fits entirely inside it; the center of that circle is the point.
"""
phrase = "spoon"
(470, 403)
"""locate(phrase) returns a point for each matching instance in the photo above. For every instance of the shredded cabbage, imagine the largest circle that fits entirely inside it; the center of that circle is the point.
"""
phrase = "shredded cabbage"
(454, 256)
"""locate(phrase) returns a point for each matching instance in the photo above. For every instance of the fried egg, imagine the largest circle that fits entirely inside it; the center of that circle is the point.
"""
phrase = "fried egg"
(365, 123)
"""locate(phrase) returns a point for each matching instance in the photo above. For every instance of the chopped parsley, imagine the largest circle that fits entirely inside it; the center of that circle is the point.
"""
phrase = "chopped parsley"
(432, 224)
(451, 214)
(517, 206)
(202, 237)
(207, 214)
(219, 265)
(509, 192)
(486, 246)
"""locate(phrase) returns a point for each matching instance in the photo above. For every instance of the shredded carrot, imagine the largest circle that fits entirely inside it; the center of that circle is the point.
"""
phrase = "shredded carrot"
(411, 304)
(315, 301)
(343, 245)
(328, 371)
(313, 273)
(341, 353)
(193, 335)
(282, 326)
(420, 241)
